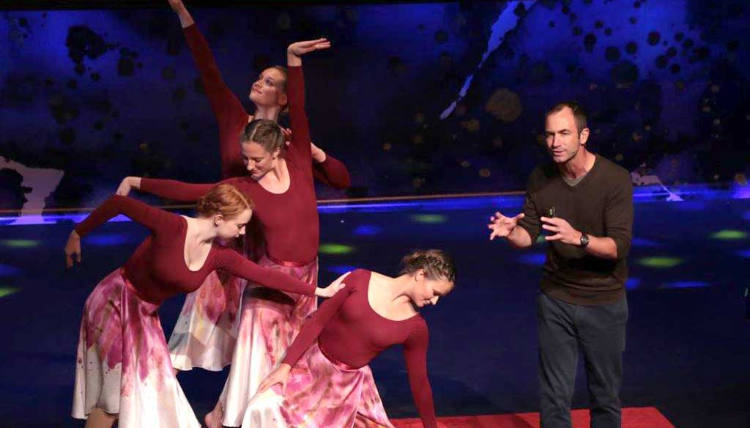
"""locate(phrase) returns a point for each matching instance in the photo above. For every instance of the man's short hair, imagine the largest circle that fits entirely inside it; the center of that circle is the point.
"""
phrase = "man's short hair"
(578, 113)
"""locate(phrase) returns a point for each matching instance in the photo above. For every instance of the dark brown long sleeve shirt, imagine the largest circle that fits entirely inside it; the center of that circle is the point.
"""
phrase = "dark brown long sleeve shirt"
(601, 205)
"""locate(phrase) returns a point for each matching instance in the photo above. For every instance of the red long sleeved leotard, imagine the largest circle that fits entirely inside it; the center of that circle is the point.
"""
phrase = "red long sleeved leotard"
(232, 117)
(289, 220)
(350, 331)
(157, 268)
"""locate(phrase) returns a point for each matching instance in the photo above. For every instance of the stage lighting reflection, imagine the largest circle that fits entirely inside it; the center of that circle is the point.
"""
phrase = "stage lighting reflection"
(340, 269)
(106, 239)
(19, 243)
(7, 270)
(7, 291)
(534, 259)
(660, 262)
(429, 218)
(367, 230)
(729, 235)
(331, 248)
(685, 284)
(632, 283)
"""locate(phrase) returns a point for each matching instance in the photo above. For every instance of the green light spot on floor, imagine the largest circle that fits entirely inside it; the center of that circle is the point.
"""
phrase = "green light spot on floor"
(729, 235)
(660, 262)
(6, 291)
(429, 218)
(19, 243)
(335, 249)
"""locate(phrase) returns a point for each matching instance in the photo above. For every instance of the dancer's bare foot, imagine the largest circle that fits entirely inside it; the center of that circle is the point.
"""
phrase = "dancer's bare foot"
(214, 417)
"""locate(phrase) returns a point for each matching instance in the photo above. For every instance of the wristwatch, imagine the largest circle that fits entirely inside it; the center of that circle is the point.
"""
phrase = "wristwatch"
(584, 240)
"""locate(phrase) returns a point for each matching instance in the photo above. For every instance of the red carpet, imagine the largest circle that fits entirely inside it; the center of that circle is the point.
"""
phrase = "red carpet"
(632, 417)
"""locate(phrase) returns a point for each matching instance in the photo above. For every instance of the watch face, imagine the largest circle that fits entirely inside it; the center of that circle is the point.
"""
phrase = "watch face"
(584, 240)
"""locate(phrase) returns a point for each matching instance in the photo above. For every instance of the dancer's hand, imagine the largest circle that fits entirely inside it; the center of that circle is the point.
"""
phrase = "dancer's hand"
(501, 226)
(73, 249)
(176, 5)
(278, 376)
(127, 184)
(186, 19)
(297, 49)
(307, 46)
(333, 288)
(287, 135)
(563, 231)
(317, 153)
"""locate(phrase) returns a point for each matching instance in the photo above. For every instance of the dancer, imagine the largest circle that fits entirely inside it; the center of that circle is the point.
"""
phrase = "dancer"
(205, 333)
(324, 379)
(123, 368)
(268, 95)
(586, 203)
(280, 182)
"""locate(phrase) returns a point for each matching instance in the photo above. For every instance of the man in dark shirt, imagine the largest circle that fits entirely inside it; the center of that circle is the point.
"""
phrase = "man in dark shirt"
(585, 203)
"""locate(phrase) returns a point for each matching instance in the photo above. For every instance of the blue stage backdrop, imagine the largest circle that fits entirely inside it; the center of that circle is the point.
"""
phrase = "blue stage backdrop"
(415, 98)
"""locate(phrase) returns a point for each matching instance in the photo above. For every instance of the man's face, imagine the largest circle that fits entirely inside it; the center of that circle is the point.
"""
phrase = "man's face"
(562, 136)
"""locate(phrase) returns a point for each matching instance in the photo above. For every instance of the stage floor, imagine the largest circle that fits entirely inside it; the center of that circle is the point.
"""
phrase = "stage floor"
(688, 342)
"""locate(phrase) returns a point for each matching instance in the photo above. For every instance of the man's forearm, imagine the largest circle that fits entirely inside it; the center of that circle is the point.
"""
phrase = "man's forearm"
(519, 237)
(602, 247)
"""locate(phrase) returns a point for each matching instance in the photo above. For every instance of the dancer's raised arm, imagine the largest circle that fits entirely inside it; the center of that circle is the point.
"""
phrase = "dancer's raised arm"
(227, 108)
(300, 144)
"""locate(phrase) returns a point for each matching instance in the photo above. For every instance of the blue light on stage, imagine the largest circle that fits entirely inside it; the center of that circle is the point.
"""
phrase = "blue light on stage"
(741, 192)
(696, 197)
(744, 254)
(368, 230)
(36, 219)
(7, 270)
(691, 205)
(340, 269)
(685, 284)
(534, 259)
(491, 202)
(632, 283)
(643, 242)
(106, 239)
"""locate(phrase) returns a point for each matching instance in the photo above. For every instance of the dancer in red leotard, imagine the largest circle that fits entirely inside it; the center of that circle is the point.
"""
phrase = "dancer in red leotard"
(123, 367)
(324, 379)
(280, 182)
(268, 95)
(206, 330)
